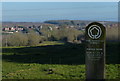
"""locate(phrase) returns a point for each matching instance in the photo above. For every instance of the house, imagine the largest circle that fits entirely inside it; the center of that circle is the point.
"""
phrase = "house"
(19, 29)
(50, 28)
(12, 29)
(6, 29)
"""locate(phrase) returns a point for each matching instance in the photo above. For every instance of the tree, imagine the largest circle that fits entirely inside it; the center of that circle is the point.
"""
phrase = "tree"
(17, 39)
(33, 38)
(73, 23)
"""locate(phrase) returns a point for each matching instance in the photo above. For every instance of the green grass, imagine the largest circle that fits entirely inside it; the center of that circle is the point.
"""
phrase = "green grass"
(54, 60)
(41, 71)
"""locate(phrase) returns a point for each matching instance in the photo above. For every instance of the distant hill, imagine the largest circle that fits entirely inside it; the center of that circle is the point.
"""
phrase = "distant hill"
(59, 22)
(77, 22)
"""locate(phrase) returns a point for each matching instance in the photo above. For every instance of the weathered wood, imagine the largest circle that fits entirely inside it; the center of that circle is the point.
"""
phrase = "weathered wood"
(95, 51)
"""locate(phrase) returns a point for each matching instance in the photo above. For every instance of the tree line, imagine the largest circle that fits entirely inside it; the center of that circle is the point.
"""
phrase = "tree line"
(33, 38)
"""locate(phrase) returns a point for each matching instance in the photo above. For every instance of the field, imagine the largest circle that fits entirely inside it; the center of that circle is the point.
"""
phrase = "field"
(54, 60)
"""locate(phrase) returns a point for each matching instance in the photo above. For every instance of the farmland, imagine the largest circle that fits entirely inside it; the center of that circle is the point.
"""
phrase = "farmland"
(54, 60)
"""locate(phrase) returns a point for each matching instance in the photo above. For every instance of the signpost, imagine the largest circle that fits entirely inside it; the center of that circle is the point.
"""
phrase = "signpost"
(95, 51)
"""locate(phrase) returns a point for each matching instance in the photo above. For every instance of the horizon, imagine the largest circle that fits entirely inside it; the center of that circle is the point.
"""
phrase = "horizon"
(55, 20)
(44, 11)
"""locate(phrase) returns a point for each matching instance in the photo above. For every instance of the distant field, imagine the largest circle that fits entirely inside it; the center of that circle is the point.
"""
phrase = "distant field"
(54, 60)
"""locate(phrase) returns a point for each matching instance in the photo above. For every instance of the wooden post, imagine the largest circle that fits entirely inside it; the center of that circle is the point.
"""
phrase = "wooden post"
(95, 51)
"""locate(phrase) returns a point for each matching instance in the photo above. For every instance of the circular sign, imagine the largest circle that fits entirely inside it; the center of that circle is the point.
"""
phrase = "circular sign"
(94, 32)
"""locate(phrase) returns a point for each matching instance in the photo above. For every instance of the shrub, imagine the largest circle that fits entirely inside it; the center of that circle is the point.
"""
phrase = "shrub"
(17, 39)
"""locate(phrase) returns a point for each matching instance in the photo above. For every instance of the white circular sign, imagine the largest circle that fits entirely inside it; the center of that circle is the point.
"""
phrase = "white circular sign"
(94, 28)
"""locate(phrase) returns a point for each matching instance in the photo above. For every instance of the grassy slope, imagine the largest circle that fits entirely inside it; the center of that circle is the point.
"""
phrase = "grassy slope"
(65, 60)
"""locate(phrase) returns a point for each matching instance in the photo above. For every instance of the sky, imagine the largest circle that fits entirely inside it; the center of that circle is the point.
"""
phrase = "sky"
(43, 11)
(60, 0)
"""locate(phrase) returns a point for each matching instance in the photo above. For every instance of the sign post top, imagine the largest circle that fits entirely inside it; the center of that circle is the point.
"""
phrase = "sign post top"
(95, 31)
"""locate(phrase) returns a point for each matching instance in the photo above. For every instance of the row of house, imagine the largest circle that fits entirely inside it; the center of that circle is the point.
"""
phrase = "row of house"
(12, 29)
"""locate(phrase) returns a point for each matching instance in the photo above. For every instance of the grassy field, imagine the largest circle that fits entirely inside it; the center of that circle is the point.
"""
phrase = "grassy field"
(54, 60)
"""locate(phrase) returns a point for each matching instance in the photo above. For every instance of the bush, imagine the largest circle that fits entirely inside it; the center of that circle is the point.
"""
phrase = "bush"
(33, 39)
(17, 39)
(112, 34)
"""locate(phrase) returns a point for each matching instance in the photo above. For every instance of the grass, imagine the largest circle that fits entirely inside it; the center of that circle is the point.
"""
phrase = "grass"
(54, 60)
(42, 71)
